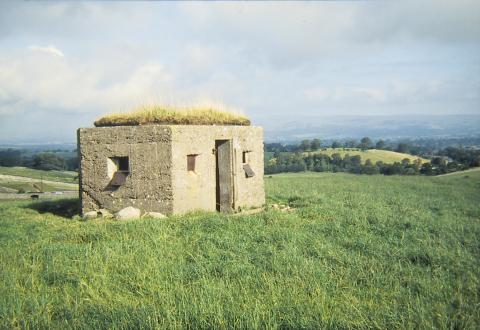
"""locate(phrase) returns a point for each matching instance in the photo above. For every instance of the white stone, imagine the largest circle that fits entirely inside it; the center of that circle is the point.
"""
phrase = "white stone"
(156, 215)
(105, 213)
(90, 215)
(129, 212)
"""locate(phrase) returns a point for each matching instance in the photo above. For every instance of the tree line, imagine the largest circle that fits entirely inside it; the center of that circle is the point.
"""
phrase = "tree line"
(297, 162)
(316, 144)
(291, 158)
(424, 147)
(41, 161)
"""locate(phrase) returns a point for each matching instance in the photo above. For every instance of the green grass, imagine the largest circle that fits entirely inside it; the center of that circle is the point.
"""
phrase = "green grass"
(59, 176)
(465, 173)
(33, 186)
(388, 157)
(357, 252)
(161, 114)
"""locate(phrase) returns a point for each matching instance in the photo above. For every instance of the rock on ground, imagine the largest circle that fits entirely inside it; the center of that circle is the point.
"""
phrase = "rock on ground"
(156, 215)
(105, 213)
(129, 212)
(90, 215)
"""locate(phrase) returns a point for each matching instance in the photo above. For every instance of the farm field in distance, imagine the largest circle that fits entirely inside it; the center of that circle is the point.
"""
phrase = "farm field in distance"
(59, 176)
(374, 155)
(34, 186)
(15, 180)
(357, 251)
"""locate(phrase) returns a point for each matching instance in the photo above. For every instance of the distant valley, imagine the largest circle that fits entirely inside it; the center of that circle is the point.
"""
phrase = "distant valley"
(289, 128)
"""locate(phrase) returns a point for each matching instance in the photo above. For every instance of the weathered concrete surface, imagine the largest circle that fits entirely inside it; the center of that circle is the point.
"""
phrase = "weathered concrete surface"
(158, 178)
(197, 191)
(148, 185)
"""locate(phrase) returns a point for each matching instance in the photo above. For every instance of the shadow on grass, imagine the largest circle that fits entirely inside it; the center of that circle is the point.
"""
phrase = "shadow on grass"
(65, 208)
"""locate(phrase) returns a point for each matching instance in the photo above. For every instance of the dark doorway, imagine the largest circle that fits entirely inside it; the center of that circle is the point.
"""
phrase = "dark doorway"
(224, 178)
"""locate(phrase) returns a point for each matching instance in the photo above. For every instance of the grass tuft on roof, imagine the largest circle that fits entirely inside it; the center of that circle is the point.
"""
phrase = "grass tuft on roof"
(169, 115)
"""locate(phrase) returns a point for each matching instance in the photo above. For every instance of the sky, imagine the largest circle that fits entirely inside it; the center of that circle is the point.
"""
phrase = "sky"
(64, 64)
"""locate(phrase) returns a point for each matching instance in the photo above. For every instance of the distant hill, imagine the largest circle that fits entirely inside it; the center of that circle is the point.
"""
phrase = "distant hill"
(388, 157)
(280, 128)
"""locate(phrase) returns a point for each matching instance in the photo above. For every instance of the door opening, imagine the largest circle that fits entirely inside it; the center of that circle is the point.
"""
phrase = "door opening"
(224, 175)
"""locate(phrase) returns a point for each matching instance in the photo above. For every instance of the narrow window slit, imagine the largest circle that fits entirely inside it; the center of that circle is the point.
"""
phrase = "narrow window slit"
(118, 168)
(191, 162)
(246, 164)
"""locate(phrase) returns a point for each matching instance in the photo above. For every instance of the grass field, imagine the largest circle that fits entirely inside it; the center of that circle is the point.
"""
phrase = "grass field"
(28, 186)
(59, 176)
(465, 173)
(357, 252)
(388, 157)
(36, 186)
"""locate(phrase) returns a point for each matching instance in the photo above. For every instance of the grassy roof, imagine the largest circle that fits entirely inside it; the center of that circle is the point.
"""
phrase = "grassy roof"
(168, 115)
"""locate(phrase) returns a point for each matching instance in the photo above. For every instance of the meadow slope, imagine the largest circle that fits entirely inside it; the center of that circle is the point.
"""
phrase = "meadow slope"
(30, 173)
(357, 252)
(375, 155)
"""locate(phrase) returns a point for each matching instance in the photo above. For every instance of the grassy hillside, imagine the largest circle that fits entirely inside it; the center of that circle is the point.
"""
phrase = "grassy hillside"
(36, 186)
(373, 154)
(60, 176)
(465, 174)
(357, 252)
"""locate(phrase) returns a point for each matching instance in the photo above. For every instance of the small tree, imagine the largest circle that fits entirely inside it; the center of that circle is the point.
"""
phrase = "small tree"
(370, 168)
(305, 145)
(316, 144)
(365, 143)
(380, 144)
(337, 159)
(403, 148)
(405, 162)
(356, 160)
(347, 161)
(336, 144)
(427, 169)
(351, 144)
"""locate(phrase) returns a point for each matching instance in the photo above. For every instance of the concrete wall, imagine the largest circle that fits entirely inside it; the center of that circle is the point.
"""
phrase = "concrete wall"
(159, 180)
(148, 186)
(194, 191)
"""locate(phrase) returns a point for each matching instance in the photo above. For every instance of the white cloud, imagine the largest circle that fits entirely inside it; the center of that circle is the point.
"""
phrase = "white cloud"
(290, 34)
(415, 91)
(52, 50)
(72, 85)
(309, 57)
(317, 94)
(372, 94)
(388, 94)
